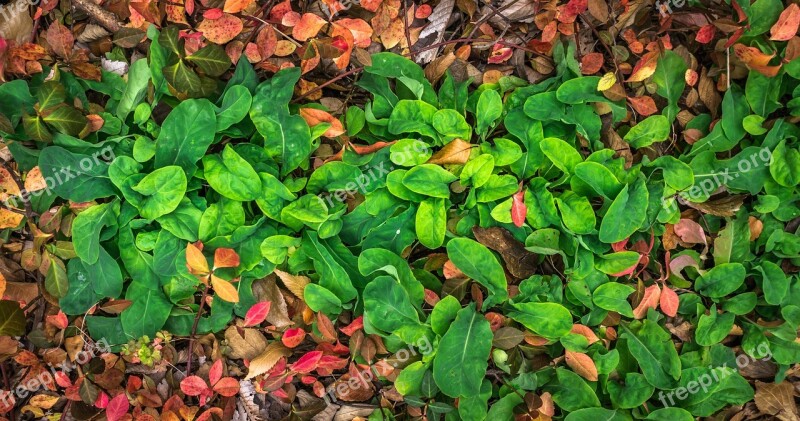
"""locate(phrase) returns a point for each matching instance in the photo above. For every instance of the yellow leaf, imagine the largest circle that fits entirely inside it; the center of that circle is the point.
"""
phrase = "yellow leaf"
(9, 219)
(295, 283)
(198, 265)
(606, 82)
(264, 362)
(455, 152)
(224, 289)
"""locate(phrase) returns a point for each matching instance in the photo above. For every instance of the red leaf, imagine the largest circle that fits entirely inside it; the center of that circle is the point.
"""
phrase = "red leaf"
(307, 362)
(227, 386)
(518, 208)
(786, 26)
(650, 300)
(194, 386)
(117, 407)
(215, 372)
(591, 63)
(355, 325)
(225, 258)
(60, 39)
(423, 11)
(669, 302)
(215, 13)
(293, 337)
(499, 54)
(257, 314)
(705, 34)
(58, 320)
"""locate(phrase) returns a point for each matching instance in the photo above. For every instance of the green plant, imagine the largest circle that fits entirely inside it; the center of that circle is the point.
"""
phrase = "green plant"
(573, 248)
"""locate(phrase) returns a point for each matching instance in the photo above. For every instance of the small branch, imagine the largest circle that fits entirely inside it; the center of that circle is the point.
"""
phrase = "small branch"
(407, 32)
(334, 80)
(194, 330)
(105, 18)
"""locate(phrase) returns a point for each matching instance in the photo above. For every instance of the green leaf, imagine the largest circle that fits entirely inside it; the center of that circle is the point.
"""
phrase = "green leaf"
(413, 116)
(631, 393)
(617, 262)
(429, 180)
(147, 315)
(627, 213)
(135, 89)
(320, 299)
(721, 280)
(551, 320)
(461, 360)
(86, 230)
(488, 111)
(652, 348)
(577, 213)
(785, 165)
(65, 119)
(182, 78)
(211, 59)
(231, 176)
(712, 328)
(563, 155)
(162, 189)
(451, 125)
(186, 134)
(651, 130)
(477, 262)
(431, 222)
(670, 81)
(388, 307)
(613, 296)
(12, 318)
(55, 281)
(598, 414)
(571, 393)
(76, 177)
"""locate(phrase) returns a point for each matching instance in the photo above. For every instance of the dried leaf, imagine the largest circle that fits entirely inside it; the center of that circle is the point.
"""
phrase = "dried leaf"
(582, 364)
(786, 26)
(455, 152)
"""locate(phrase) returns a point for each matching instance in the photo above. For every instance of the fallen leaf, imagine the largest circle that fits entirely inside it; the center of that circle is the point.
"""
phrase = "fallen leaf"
(705, 34)
(520, 263)
(643, 105)
(651, 297)
(221, 30)
(236, 6)
(582, 364)
(455, 152)
(591, 63)
(307, 27)
(776, 400)
(256, 314)
(264, 362)
(668, 302)
(314, 116)
(786, 26)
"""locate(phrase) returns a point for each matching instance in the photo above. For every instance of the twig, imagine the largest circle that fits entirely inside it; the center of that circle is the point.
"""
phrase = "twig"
(194, 330)
(105, 18)
(407, 32)
(334, 80)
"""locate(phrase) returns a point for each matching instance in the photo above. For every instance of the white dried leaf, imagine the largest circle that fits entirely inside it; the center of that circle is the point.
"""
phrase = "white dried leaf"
(438, 22)
(112, 66)
(91, 33)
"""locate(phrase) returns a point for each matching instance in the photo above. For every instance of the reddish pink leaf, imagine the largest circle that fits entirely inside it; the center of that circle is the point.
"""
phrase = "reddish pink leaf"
(500, 54)
(257, 313)
(307, 362)
(591, 63)
(423, 11)
(117, 407)
(215, 372)
(669, 302)
(705, 34)
(650, 300)
(227, 386)
(102, 400)
(293, 337)
(214, 13)
(355, 325)
(690, 232)
(194, 386)
(58, 320)
(518, 208)
(786, 26)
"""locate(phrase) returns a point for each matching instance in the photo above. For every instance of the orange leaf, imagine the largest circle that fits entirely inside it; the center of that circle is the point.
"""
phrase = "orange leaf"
(643, 105)
(225, 258)
(650, 300)
(197, 263)
(645, 67)
(267, 42)
(224, 289)
(236, 6)
(227, 386)
(455, 152)
(591, 63)
(786, 26)
(586, 332)
(308, 26)
(222, 30)
(9, 219)
(756, 60)
(362, 32)
(669, 302)
(315, 116)
(582, 364)
(293, 337)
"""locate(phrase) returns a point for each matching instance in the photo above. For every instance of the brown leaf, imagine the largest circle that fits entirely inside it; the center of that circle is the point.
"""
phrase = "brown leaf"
(777, 400)
(520, 263)
(756, 226)
(507, 337)
(582, 364)
(248, 347)
(294, 283)
(726, 206)
(455, 152)
(264, 362)
(599, 10)
(267, 290)
(591, 63)
(60, 39)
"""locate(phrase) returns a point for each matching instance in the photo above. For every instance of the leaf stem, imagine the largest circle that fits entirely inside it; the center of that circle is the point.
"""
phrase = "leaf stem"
(194, 330)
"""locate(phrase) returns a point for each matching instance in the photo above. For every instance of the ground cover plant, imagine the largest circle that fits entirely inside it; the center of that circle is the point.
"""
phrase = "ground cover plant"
(524, 228)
